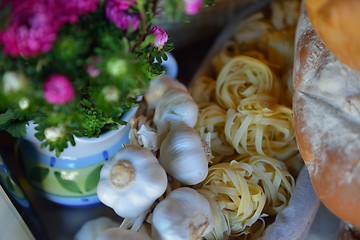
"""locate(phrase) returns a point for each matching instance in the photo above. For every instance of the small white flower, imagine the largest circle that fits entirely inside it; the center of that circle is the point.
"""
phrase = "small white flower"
(52, 134)
(111, 93)
(117, 67)
(24, 103)
(13, 81)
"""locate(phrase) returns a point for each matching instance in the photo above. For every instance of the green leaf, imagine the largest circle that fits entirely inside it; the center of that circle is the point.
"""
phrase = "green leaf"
(209, 3)
(38, 174)
(4, 15)
(17, 129)
(158, 58)
(93, 179)
(67, 184)
(8, 122)
(164, 56)
(149, 39)
(6, 118)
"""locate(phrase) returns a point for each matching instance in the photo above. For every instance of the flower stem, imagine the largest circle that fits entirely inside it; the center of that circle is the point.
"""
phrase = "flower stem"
(144, 21)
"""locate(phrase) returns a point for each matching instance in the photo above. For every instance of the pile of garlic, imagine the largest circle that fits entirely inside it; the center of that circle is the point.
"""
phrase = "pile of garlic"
(162, 187)
(149, 182)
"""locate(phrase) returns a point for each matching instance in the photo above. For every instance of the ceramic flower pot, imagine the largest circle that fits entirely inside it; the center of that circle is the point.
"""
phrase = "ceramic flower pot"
(72, 178)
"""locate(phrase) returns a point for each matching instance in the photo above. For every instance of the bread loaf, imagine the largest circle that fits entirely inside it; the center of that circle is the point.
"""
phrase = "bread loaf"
(326, 108)
(337, 24)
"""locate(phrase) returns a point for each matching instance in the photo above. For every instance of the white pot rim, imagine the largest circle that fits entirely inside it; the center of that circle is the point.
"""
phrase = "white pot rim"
(30, 129)
(105, 140)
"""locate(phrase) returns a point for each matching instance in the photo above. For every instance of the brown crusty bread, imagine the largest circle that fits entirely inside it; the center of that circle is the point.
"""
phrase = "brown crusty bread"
(337, 22)
(326, 108)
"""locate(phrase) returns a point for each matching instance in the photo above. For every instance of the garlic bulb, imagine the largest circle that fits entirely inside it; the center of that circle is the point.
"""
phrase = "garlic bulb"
(158, 87)
(122, 234)
(93, 228)
(184, 155)
(131, 181)
(183, 214)
(174, 107)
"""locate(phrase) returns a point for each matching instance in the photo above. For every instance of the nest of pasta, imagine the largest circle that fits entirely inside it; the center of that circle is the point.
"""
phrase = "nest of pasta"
(245, 115)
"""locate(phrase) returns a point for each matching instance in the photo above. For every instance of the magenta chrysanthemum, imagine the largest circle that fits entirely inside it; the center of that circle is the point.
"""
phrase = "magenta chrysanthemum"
(71, 10)
(161, 36)
(32, 28)
(58, 89)
(117, 12)
(122, 5)
(192, 7)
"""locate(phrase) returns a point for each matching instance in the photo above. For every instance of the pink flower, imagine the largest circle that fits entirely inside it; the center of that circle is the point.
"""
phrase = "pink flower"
(91, 69)
(122, 5)
(192, 7)
(117, 11)
(82, 6)
(71, 10)
(58, 89)
(161, 36)
(32, 28)
(34, 24)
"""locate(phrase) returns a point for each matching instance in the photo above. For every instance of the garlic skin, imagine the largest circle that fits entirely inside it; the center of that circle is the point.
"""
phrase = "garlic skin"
(184, 155)
(158, 87)
(183, 215)
(146, 137)
(122, 234)
(175, 107)
(131, 181)
(143, 132)
(93, 228)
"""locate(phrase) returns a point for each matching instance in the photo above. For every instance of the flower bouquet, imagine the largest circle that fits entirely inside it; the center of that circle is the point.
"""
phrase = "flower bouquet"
(74, 67)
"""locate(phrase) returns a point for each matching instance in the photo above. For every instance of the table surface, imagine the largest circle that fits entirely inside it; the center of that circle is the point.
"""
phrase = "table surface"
(62, 222)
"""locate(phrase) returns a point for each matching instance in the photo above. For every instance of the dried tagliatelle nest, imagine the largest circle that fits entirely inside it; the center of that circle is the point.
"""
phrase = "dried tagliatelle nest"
(246, 113)
(242, 192)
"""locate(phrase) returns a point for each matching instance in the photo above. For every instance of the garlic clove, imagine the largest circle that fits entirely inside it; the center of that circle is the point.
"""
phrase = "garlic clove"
(175, 107)
(93, 228)
(122, 234)
(131, 181)
(183, 155)
(158, 87)
(183, 214)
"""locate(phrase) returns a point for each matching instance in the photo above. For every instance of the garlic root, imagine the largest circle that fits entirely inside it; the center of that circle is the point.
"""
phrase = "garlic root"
(131, 181)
